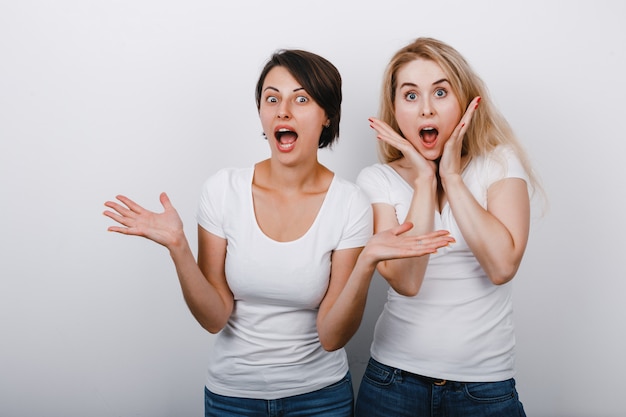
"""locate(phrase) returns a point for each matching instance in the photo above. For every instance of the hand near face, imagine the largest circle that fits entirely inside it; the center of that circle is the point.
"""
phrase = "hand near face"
(450, 163)
(163, 228)
(392, 138)
(394, 244)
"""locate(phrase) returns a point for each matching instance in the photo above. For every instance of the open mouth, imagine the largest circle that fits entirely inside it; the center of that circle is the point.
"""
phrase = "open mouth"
(286, 138)
(429, 135)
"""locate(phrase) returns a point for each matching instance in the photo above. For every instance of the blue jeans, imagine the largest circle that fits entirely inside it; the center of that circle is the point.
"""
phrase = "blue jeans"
(387, 391)
(335, 400)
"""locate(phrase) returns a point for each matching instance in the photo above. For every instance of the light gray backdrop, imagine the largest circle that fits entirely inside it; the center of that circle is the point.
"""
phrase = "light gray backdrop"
(142, 96)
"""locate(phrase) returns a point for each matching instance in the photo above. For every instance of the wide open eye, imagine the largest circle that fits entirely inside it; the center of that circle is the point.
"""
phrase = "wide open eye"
(440, 92)
(302, 99)
(410, 96)
(271, 99)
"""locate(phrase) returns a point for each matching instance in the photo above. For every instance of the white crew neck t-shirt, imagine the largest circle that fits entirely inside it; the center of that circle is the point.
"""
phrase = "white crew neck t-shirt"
(270, 346)
(459, 326)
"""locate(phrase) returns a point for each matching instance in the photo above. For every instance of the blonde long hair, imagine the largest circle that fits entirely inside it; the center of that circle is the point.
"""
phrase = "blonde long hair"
(488, 127)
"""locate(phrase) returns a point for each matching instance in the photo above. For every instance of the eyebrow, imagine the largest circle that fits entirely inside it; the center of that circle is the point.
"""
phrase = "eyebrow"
(441, 81)
(269, 87)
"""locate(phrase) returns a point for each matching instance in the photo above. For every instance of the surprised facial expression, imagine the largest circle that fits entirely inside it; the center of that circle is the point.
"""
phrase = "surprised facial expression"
(291, 119)
(426, 108)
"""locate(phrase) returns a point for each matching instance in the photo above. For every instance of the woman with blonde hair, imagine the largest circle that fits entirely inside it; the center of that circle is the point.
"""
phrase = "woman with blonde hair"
(444, 344)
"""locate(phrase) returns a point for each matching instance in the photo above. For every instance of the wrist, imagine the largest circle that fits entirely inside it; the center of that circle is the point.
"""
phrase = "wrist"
(450, 180)
(367, 260)
(424, 182)
(178, 243)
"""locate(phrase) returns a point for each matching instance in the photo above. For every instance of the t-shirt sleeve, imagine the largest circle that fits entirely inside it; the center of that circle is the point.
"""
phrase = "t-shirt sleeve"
(374, 184)
(210, 212)
(358, 227)
(504, 163)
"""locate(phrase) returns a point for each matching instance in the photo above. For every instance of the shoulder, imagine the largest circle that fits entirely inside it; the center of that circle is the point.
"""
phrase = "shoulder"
(500, 154)
(345, 190)
(343, 185)
(501, 162)
(374, 173)
(375, 169)
(231, 175)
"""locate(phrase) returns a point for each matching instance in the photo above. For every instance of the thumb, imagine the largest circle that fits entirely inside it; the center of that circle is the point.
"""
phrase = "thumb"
(404, 227)
(165, 201)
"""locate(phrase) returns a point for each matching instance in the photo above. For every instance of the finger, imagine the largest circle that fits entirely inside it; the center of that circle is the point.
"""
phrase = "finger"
(467, 117)
(117, 229)
(438, 241)
(165, 201)
(435, 234)
(130, 204)
(123, 230)
(382, 127)
(404, 227)
(124, 211)
(396, 141)
(118, 218)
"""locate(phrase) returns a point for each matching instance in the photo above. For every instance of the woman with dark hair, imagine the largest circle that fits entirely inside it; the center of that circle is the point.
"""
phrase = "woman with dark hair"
(285, 255)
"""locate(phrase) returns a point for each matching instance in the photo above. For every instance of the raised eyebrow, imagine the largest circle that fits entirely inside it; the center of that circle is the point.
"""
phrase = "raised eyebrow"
(408, 85)
(441, 81)
(269, 87)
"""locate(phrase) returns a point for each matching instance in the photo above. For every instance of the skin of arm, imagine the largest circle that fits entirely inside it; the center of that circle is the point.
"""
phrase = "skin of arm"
(203, 283)
(497, 236)
(208, 296)
(405, 276)
(341, 310)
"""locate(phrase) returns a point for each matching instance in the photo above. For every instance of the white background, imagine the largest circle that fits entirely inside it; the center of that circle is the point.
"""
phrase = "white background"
(142, 96)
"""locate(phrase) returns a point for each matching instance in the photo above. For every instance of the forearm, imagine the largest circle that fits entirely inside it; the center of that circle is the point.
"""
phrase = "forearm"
(337, 325)
(405, 276)
(202, 298)
(497, 246)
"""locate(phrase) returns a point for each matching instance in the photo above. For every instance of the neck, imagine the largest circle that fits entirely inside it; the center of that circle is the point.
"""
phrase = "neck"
(271, 174)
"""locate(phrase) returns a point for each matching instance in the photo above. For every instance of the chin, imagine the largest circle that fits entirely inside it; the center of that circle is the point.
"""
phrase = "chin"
(431, 154)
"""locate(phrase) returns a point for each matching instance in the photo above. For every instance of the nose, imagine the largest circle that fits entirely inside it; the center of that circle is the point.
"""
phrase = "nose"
(427, 108)
(283, 110)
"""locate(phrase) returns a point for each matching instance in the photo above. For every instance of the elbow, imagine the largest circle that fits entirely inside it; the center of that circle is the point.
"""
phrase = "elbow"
(330, 343)
(503, 275)
(405, 283)
(211, 326)
(406, 288)
(407, 291)
(212, 329)
(331, 347)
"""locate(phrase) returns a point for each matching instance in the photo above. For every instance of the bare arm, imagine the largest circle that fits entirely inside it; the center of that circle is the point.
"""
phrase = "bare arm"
(497, 236)
(208, 299)
(405, 275)
(341, 310)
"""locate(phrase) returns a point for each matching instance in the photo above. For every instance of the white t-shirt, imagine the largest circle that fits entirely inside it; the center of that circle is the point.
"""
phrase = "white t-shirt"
(460, 325)
(270, 347)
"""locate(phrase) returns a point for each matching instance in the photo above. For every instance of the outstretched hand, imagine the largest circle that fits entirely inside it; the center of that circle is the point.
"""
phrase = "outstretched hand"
(394, 244)
(163, 228)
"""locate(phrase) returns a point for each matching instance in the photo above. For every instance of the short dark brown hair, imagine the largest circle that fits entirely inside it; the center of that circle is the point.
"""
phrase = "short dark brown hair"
(319, 77)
